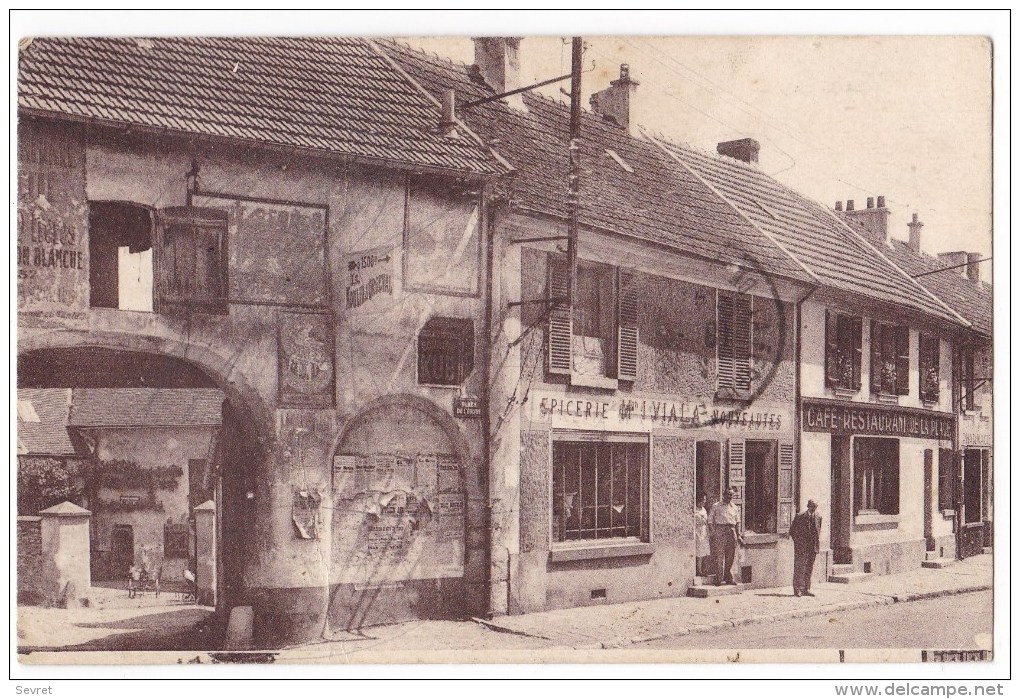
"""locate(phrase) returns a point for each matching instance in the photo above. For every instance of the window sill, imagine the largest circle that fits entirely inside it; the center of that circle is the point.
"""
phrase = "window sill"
(877, 521)
(728, 397)
(761, 539)
(589, 381)
(948, 514)
(929, 403)
(844, 393)
(973, 525)
(887, 399)
(584, 551)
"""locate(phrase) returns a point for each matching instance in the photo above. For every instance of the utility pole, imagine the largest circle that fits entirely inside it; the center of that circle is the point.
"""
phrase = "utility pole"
(573, 193)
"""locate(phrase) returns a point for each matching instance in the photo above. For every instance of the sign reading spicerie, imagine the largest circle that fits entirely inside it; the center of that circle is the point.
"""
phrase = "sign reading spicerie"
(840, 418)
(637, 414)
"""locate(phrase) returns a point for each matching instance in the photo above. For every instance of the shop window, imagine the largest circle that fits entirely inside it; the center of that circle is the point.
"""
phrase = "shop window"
(600, 490)
(928, 364)
(947, 479)
(876, 476)
(446, 351)
(974, 473)
(733, 344)
(598, 337)
(842, 351)
(442, 238)
(176, 540)
(762, 473)
(191, 265)
(120, 256)
(890, 359)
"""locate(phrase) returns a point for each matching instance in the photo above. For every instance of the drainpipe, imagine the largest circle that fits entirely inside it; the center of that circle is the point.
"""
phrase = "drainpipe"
(488, 222)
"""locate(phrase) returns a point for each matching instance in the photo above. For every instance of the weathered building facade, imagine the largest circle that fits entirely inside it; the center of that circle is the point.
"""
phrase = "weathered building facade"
(311, 245)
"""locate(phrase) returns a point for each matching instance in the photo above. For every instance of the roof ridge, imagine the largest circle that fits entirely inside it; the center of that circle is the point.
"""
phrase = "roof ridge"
(740, 213)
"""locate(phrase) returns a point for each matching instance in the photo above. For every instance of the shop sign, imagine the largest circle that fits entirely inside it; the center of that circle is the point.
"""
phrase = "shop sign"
(369, 274)
(841, 418)
(639, 414)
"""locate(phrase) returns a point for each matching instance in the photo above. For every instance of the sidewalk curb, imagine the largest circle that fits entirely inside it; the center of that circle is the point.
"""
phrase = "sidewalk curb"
(878, 600)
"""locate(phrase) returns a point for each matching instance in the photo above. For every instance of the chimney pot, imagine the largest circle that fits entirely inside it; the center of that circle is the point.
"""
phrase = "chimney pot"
(874, 220)
(849, 204)
(881, 201)
(839, 205)
(871, 203)
(745, 149)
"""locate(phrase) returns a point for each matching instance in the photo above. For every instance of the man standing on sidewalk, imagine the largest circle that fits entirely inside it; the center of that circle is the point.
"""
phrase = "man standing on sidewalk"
(724, 527)
(804, 530)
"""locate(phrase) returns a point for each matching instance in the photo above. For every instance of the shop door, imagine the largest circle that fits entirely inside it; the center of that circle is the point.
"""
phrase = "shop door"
(122, 549)
(842, 499)
(972, 531)
(708, 473)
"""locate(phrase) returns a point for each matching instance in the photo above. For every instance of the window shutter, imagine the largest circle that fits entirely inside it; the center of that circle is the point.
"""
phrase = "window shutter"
(742, 328)
(785, 499)
(831, 348)
(190, 257)
(724, 340)
(856, 334)
(876, 357)
(902, 360)
(627, 327)
(737, 478)
(560, 331)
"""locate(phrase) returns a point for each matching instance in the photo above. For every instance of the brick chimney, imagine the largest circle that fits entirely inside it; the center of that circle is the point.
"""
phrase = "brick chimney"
(973, 268)
(613, 103)
(915, 227)
(954, 259)
(497, 59)
(874, 219)
(745, 149)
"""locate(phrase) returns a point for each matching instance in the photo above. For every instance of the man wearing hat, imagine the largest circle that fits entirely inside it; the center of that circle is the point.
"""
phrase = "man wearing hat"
(804, 530)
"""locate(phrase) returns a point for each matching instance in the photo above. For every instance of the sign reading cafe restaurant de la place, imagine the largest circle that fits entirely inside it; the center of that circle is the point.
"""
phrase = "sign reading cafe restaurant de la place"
(840, 418)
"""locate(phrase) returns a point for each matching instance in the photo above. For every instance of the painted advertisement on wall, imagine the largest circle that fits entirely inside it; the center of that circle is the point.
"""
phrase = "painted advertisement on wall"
(53, 259)
(305, 362)
(277, 249)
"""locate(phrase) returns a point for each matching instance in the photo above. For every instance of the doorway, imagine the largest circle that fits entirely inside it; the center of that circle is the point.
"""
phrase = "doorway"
(122, 548)
(708, 472)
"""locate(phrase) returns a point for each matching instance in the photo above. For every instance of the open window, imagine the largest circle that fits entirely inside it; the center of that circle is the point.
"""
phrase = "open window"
(120, 255)
(890, 359)
(928, 365)
(762, 473)
(598, 336)
(842, 351)
(191, 262)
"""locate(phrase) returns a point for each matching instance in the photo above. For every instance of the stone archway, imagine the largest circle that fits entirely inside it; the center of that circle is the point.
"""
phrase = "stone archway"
(245, 438)
(399, 508)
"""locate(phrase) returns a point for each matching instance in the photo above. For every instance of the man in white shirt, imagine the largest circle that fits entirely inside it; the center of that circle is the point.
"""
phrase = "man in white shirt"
(724, 526)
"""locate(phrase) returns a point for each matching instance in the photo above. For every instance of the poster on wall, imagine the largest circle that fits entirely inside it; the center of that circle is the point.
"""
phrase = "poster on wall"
(369, 274)
(305, 367)
(277, 249)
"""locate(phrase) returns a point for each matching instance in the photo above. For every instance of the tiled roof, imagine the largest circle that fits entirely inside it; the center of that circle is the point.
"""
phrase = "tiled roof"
(331, 94)
(972, 300)
(656, 202)
(839, 257)
(42, 421)
(146, 407)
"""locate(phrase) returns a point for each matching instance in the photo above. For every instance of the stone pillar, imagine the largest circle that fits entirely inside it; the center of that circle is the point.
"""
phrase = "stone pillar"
(66, 553)
(205, 552)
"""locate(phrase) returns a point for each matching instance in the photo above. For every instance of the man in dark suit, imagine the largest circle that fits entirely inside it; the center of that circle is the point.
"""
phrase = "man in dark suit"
(804, 530)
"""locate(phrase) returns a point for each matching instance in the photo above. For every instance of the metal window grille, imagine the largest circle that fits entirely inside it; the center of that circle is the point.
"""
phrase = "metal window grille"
(600, 490)
(446, 351)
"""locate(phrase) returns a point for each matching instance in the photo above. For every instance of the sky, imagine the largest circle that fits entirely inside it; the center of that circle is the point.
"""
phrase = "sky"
(838, 118)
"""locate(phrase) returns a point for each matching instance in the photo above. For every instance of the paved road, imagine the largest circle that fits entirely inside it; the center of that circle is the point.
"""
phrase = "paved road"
(949, 622)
